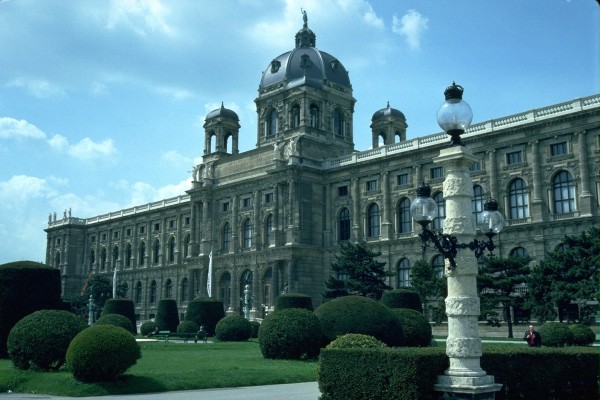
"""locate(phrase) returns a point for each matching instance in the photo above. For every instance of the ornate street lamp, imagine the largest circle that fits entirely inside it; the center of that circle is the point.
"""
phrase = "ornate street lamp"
(454, 115)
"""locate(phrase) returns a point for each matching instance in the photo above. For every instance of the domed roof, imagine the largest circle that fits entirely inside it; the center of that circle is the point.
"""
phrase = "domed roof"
(222, 113)
(305, 65)
(388, 112)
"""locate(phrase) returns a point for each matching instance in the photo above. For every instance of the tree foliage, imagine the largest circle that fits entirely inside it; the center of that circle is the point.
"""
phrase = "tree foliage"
(363, 274)
(568, 274)
(498, 283)
(430, 285)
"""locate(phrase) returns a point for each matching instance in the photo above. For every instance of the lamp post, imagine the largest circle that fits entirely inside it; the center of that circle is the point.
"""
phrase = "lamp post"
(464, 379)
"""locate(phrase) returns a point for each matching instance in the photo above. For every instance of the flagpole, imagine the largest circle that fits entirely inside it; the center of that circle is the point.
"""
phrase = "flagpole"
(209, 278)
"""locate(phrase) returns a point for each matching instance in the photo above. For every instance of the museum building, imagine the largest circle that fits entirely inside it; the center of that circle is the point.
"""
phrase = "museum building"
(273, 217)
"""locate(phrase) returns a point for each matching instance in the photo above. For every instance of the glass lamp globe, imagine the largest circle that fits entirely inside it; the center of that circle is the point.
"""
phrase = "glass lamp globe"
(455, 114)
(490, 220)
(423, 209)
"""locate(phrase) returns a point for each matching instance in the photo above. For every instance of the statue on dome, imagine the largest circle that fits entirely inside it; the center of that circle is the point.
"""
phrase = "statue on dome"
(304, 17)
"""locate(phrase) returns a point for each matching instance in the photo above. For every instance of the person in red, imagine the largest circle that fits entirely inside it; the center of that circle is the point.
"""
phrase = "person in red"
(533, 337)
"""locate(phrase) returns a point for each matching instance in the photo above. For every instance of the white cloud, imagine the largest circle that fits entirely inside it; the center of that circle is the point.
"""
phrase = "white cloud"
(411, 26)
(12, 128)
(86, 149)
(174, 158)
(140, 16)
(21, 188)
(372, 19)
(143, 193)
(37, 87)
(58, 143)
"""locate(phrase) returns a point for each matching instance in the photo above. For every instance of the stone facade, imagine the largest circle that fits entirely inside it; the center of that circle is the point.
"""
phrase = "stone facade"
(273, 216)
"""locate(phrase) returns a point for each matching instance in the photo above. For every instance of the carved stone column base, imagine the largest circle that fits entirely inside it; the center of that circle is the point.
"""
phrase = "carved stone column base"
(462, 387)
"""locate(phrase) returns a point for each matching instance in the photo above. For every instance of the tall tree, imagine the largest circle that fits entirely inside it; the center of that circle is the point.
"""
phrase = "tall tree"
(358, 272)
(499, 282)
(429, 284)
(567, 275)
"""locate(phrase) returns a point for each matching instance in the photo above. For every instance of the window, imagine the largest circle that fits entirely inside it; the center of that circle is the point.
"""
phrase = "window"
(184, 290)
(187, 220)
(138, 293)
(436, 173)
(476, 166)
(295, 116)
(438, 265)
(403, 273)
(518, 252)
(272, 123)
(128, 232)
(142, 253)
(563, 190)
(171, 251)
(344, 224)
(115, 256)
(338, 122)
(558, 149)
(168, 289)
(372, 185)
(268, 198)
(226, 237)
(156, 251)
(103, 259)
(343, 191)
(247, 233)
(128, 255)
(402, 179)
(438, 222)
(518, 197)
(247, 202)
(92, 257)
(269, 230)
(172, 224)
(103, 237)
(93, 239)
(373, 220)
(142, 229)
(514, 157)
(404, 217)
(477, 202)
(343, 275)
(116, 234)
(156, 227)
(125, 289)
(153, 292)
(314, 116)
(186, 246)
(57, 259)
(225, 207)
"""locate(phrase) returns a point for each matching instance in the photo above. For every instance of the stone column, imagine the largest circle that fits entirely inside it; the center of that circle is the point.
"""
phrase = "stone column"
(464, 379)
(536, 203)
(356, 217)
(387, 229)
(585, 198)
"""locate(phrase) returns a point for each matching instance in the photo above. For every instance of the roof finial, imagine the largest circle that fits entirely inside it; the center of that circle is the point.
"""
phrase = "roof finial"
(304, 17)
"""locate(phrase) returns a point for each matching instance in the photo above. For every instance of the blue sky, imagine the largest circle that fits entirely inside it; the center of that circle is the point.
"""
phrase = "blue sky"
(102, 102)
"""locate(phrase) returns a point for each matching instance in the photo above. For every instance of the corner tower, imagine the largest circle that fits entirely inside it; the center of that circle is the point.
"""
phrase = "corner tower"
(305, 96)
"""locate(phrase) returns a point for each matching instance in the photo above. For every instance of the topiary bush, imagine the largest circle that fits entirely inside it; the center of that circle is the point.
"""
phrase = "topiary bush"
(358, 314)
(255, 326)
(293, 300)
(402, 298)
(356, 340)
(40, 340)
(187, 327)
(583, 335)
(556, 334)
(415, 327)
(233, 328)
(205, 311)
(147, 327)
(116, 320)
(18, 297)
(124, 307)
(293, 333)
(101, 353)
(167, 315)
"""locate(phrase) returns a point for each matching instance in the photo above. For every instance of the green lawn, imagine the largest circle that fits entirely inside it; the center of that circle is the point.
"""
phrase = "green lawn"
(170, 366)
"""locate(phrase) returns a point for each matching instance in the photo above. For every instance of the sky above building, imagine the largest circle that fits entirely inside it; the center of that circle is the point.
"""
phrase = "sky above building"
(102, 102)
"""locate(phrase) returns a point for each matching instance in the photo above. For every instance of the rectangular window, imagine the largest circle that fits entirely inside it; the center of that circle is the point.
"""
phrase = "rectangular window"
(371, 185)
(225, 206)
(94, 239)
(187, 220)
(476, 166)
(116, 234)
(128, 231)
(142, 229)
(436, 173)
(268, 198)
(103, 236)
(402, 179)
(157, 227)
(343, 191)
(172, 224)
(247, 202)
(558, 149)
(514, 157)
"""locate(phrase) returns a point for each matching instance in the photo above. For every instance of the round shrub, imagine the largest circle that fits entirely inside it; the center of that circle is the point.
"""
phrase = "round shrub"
(358, 314)
(101, 353)
(116, 320)
(255, 325)
(583, 335)
(187, 327)
(205, 311)
(293, 333)
(167, 315)
(556, 334)
(233, 328)
(415, 327)
(124, 307)
(356, 340)
(40, 340)
(293, 300)
(402, 298)
(147, 327)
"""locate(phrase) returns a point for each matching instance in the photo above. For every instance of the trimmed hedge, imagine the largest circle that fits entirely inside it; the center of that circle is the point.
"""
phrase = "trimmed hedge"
(40, 340)
(355, 340)
(101, 353)
(293, 300)
(293, 333)
(124, 307)
(402, 298)
(147, 327)
(205, 311)
(187, 327)
(21, 294)
(167, 315)
(556, 334)
(233, 328)
(583, 335)
(415, 327)
(116, 320)
(358, 314)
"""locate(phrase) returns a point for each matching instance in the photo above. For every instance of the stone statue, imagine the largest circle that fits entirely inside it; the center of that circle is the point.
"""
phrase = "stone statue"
(277, 149)
(304, 17)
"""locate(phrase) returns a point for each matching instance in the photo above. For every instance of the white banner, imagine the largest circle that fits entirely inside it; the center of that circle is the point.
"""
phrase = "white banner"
(209, 278)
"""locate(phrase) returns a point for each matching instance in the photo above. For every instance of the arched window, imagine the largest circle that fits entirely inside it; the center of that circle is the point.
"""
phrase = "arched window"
(186, 246)
(57, 259)
(115, 256)
(338, 122)
(272, 123)
(267, 282)
(314, 116)
(404, 218)
(138, 293)
(184, 290)
(518, 252)
(295, 116)
(153, 292)
(128, 254)
(247, 233)
(171, 250)
(438, 265)
(142, 252)
(518, 196)
(403, 273)
(225, 289)
(477, 202)
(125, 289)
(344, 224)
(156, 251)
(103, 259)
(438, 222)
(269, 230)
(373, 222)
(168, 289)
(563, 190)
(92, 258)
(226, 237)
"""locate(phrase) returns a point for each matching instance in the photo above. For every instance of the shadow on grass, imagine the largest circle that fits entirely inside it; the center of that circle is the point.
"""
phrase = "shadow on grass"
(131, 384)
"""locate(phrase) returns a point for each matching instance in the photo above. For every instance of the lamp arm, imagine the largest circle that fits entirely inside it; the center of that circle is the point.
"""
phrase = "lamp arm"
(444, 243)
